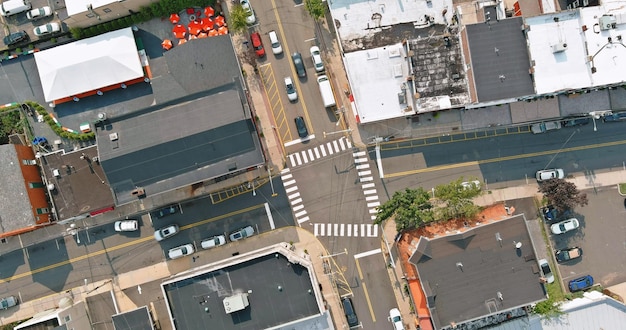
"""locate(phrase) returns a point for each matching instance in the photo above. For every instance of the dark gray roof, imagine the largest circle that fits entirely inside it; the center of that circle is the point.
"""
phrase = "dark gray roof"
(15, 209)
(197, 301)
(462, 273)
(79, 187)
(138, 319)
(500, 74)
(170, 146)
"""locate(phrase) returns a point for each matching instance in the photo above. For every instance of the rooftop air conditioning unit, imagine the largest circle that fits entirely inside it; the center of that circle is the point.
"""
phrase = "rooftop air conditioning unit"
(558, 48)
(607, 22)
(113, 136)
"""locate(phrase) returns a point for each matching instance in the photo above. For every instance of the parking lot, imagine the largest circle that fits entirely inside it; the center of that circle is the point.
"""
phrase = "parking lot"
(19, 22)
(601, 236)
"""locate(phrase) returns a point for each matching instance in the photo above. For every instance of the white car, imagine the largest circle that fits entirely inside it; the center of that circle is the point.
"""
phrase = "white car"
(126, 225)
(546, 271)
(38, 13)
(554, 173)
(564, 226)
(166, 232)
(292, 95)
(212, 242)
(181, 251)
(276, 47)
(396, 319)
(317, 59)
(47, 29)
(470, 184)
(251, 19)
(241, 233)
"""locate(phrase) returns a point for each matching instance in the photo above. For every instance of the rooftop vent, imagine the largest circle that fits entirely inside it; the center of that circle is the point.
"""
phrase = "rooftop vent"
(607, 22)
(56, 173)
(113, 136)
(559, 47)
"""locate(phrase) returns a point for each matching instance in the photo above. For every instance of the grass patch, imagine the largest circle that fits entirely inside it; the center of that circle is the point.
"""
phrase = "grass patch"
(621, 188)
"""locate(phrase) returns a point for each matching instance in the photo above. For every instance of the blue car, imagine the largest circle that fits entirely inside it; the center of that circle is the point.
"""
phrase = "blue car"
(581, 283)
(615, 117)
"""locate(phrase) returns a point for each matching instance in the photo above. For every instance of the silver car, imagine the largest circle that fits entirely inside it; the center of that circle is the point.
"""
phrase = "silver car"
(126, 225)
(166, 232)
(564, 226)
(316, 56)
(292, 95)
(8, 302)
(251, 19)
(241, 233)
(554, 173)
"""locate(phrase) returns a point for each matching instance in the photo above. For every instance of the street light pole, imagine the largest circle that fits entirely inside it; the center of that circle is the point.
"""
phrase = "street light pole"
(338, 132)
(596, 115)
(269, 172)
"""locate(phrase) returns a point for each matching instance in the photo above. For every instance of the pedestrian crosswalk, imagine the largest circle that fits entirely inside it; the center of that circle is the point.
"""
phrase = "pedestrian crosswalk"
(345, 230)
(291, 188)
(367, 181)
(321, 151)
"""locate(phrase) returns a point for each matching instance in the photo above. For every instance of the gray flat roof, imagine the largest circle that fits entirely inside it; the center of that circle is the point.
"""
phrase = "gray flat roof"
(137, 319)
(79, 187)
(462, 273)
(499, 56)
(197, 301)
(169, 146)
(15, 209)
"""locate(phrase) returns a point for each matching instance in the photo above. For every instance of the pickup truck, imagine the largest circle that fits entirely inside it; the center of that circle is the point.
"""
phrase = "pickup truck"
(545, 126)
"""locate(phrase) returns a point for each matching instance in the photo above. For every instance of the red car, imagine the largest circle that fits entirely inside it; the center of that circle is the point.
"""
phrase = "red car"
(257, 44)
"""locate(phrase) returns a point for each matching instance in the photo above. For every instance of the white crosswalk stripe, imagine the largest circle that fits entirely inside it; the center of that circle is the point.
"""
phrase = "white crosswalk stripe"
(294, 196)
(345, 230)
(321, 151)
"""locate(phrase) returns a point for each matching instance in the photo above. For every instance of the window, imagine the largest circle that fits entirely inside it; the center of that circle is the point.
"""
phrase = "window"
(106, 10)
(43, 210)
(67, 318)
(36, 185)
(29, 162)
(91, 15)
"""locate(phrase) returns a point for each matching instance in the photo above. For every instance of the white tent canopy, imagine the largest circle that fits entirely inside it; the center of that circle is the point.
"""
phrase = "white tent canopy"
(88, 64)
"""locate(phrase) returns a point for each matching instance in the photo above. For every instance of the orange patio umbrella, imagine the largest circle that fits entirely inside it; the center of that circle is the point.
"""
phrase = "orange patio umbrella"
(174, 18)
(192, 37)
(222, 30)
(219, 20)
(206, 23)
(202, 35)
(213, 33)
(167, 44)
(180, 31)
(209, 11)
(195, 27)
(181, 41)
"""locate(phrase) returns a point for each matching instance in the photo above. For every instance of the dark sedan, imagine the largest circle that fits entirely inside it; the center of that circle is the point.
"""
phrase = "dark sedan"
(568, 254)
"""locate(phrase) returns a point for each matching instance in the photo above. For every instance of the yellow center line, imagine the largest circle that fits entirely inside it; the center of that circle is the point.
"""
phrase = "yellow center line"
(123, 245)
(367, 296)
(505, 158)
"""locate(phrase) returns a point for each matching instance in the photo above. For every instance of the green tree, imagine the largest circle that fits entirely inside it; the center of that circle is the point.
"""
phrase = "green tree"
(548, 308)
(315, 8)
(411, 209)
(238, 17)
(455, 199)
(10, 123)
(563, 195)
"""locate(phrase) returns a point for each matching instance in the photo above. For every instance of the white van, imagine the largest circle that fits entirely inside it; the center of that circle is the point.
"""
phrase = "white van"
(327, 91)
(214, 241)
(276, 47)
(13, 7)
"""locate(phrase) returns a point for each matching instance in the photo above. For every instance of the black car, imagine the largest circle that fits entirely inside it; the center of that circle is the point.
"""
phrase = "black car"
(568, 254)
(165, 211)
(614, 117)
(348, 309)
(301, 126)
(573, 122)
(16, 38)
(298, 64)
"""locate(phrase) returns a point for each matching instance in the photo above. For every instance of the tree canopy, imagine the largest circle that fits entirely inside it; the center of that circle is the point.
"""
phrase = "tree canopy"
(455, 199)
(411, 209)
(315, 8)
(238, 17)
(563, 195)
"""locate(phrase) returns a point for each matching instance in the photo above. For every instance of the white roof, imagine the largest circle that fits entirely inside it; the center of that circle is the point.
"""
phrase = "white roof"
(88, 64)
(564, 55)
(377, 76)
(80, 6)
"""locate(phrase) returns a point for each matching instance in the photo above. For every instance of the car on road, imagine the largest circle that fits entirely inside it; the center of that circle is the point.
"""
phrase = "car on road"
(165, 211)
(316, 56)
(568, 254)
(276, 47)
(301, 127)
(292, 95)
(564, 226)
(38, 13)
(554, 173)
(470, 184)
(166, 232)
(348, 310)
(257, 44)
(546, 272)
(581, 283)
(396, 319)
(126, 225)
(47, 29)
(614, 117)
(181, 251)
(545, 126)
(16, 38)
(241, 233)
(573, 122)
(8, 302)
(297, 63)
(250, 19)
(212, 242)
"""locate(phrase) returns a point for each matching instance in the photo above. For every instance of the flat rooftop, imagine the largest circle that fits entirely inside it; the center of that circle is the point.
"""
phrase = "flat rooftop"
(15, 208)
(137, 319)
(169, 146)
(478, 272)
(81, 186)
(278, 293)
